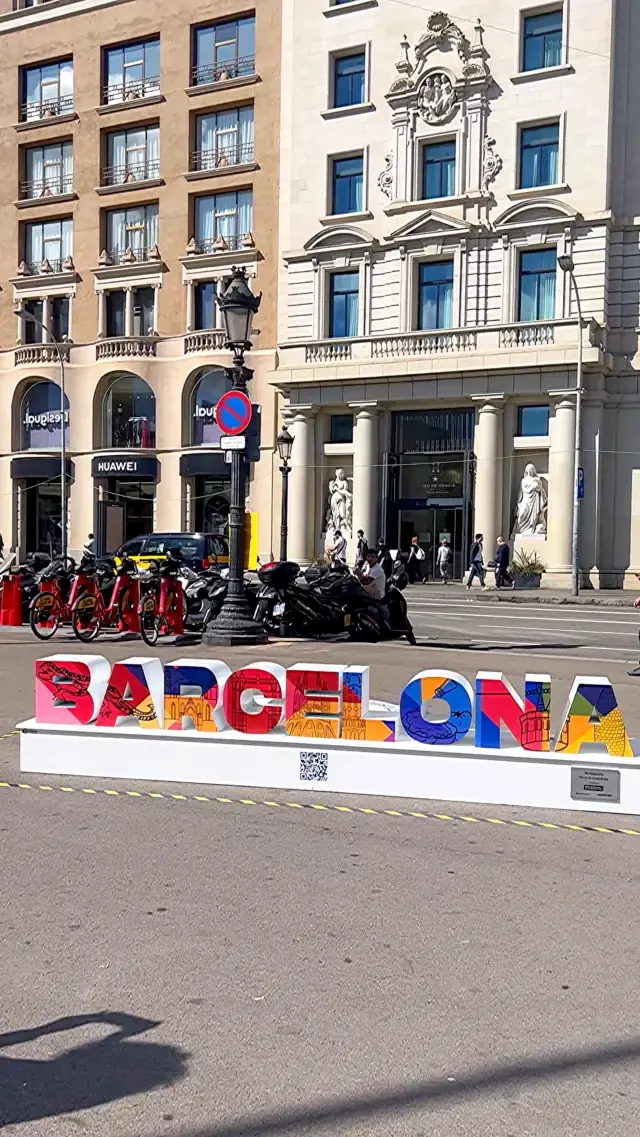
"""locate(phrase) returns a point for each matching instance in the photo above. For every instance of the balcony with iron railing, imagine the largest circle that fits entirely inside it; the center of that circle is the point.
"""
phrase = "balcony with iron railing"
(38, 110)
(43, 267)
(144, 170)
(223, 157)
(52, 186)
(230, 242)
(544, 342)
(223, 72)
(131, 92)
(130, 255)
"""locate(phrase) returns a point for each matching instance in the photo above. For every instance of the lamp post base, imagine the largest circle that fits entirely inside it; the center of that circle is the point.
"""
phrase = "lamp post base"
(234, 626)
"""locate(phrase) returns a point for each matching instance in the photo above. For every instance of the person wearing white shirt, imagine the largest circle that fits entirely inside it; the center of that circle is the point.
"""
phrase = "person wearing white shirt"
(339, 548)
(372, 577)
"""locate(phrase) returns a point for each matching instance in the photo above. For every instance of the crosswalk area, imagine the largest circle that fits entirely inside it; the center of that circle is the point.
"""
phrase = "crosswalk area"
(607, 635)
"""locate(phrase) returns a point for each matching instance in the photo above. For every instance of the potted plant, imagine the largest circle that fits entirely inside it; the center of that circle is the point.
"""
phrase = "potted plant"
(527, 569)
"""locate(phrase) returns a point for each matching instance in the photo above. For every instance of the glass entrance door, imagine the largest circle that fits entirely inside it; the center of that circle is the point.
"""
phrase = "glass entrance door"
(431, 526)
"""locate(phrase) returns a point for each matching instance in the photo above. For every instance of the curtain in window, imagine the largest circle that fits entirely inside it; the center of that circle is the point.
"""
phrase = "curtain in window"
(67, 166)
(66, 82)
(445, 306)
(226, 205)
(205, 220)
(245, 212)
(547, 296)
(245, 129)
(117, 154)
(136, 152)
(116, 231)
(35, 171)
(226, 137)
(33, 244)
(153, 151)
(206, 141)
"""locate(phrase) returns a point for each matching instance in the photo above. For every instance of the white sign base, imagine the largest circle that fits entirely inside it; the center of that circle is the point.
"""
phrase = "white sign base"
(456, 773)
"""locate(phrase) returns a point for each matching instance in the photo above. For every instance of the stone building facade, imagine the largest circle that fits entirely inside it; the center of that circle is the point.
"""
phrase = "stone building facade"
(139, 149)
(433, 169)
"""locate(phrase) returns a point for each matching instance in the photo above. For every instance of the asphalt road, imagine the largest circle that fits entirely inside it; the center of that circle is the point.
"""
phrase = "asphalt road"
(184, 967)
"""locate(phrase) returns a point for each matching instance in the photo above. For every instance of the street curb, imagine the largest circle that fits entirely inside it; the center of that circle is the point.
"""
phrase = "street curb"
(529, 597)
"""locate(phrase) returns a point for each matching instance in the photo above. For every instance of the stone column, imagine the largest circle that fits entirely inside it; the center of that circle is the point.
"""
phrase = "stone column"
(365, 472)
(488, 488)
(102, 314)
(189, 287)
(301, 519)
(560, 508)
(46, 320)
(128, 312)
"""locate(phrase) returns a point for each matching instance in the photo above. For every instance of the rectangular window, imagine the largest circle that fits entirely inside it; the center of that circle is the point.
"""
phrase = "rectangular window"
(539, 155)
(132, 230)
(439, 169)
(132, 71)
(48, 170)
(47, 241)
(341, 428)
(132, 156)
(116, 306)
(143, 299)
(223, 220)
(346, 192)
(435, 299)
(348, 79)
(47, 90)
(60, 317)
(224, 51)
(205, 305)
(533, 422)
(33, 333)
(224, 139)
(542, 41)
(537, 285)
(343, 304)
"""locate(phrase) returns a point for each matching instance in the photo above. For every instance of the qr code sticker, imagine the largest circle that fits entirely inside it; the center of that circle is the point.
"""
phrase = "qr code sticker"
(314, 765)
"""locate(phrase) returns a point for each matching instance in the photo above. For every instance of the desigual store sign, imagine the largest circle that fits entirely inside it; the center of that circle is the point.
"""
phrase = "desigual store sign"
(41, 418)
(264, 725)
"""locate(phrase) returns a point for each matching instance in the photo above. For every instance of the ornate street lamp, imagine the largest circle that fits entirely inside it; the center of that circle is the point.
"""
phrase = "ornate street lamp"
(234, 624)
(285, 446)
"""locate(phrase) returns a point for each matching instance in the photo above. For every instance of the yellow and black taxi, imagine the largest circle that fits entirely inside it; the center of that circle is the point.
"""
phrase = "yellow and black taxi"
(198, 550)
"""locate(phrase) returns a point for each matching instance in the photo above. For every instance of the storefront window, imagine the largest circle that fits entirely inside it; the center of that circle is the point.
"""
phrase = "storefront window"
(41, 417)
(129, 414)
(206, 392)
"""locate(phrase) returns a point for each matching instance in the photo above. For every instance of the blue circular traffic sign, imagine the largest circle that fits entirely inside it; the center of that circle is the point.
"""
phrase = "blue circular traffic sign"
(233, 412)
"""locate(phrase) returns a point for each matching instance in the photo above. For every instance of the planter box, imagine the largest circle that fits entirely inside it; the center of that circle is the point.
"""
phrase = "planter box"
(526, 581)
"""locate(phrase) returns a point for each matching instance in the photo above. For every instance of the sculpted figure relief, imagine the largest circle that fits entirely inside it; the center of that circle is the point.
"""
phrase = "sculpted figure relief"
(437, 98)
(531, 509)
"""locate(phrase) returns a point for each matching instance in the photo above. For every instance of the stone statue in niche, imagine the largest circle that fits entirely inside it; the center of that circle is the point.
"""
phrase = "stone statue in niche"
(340, 507)
(437, 98)
(531, 508)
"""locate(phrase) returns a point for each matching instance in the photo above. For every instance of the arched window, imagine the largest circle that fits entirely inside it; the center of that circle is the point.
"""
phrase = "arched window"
(207, 389)
(129, 414)
(41, 417)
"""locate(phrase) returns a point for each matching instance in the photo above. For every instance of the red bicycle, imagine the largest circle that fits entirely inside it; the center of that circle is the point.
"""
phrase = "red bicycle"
(90, 614)
(61, 588)
(163, 604)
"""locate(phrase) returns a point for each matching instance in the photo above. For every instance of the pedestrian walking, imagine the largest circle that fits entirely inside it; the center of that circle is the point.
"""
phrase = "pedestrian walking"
(339, 548)
(443, 560)
(362, 549)
(416, 562)
(476, 560)
(503, 576)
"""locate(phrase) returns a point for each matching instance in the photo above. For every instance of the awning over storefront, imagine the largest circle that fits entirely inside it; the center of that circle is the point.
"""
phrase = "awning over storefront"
(206, 464)
(44, 467)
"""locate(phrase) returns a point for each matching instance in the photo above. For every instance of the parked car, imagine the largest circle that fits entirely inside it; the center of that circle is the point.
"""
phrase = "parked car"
(198, 550)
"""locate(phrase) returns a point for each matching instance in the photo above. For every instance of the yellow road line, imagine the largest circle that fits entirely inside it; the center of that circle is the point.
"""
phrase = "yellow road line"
(568, 827)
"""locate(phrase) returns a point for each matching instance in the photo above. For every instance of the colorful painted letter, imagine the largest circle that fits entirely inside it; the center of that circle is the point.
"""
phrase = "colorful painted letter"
(246, 712)
(135, 694)
(70, 690)
(357, 724)
(496, 702)
(313, 702)
(593, 715)
(193, 694)
(454, 690)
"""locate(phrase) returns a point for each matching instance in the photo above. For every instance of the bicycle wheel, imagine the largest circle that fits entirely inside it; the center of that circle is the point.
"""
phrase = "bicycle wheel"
(149, 621)
(44, 617)
(86, 619)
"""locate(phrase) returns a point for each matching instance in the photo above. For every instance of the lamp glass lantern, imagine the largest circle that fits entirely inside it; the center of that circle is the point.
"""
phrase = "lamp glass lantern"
(285, 445)
(238, 306)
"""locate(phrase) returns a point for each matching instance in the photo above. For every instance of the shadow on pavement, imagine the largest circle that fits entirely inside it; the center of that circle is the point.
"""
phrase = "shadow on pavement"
(470, 645)
(87, 1075)
(423, 1094)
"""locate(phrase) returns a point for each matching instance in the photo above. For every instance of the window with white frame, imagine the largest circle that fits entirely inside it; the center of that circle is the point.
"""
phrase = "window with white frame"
(47, 241)
(205, 306)
(48, 170)
(131, 230)
(223, 138)
(539, 155)
(537, 284)
(542, 40)
(132, 71)
(223, 220)
(435, 295)
(439, 169)
(226, 50)
(47, 90)
(132, 155)
(344, 293)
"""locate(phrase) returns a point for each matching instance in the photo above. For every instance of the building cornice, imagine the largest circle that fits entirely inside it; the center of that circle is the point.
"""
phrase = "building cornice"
(52, 10)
